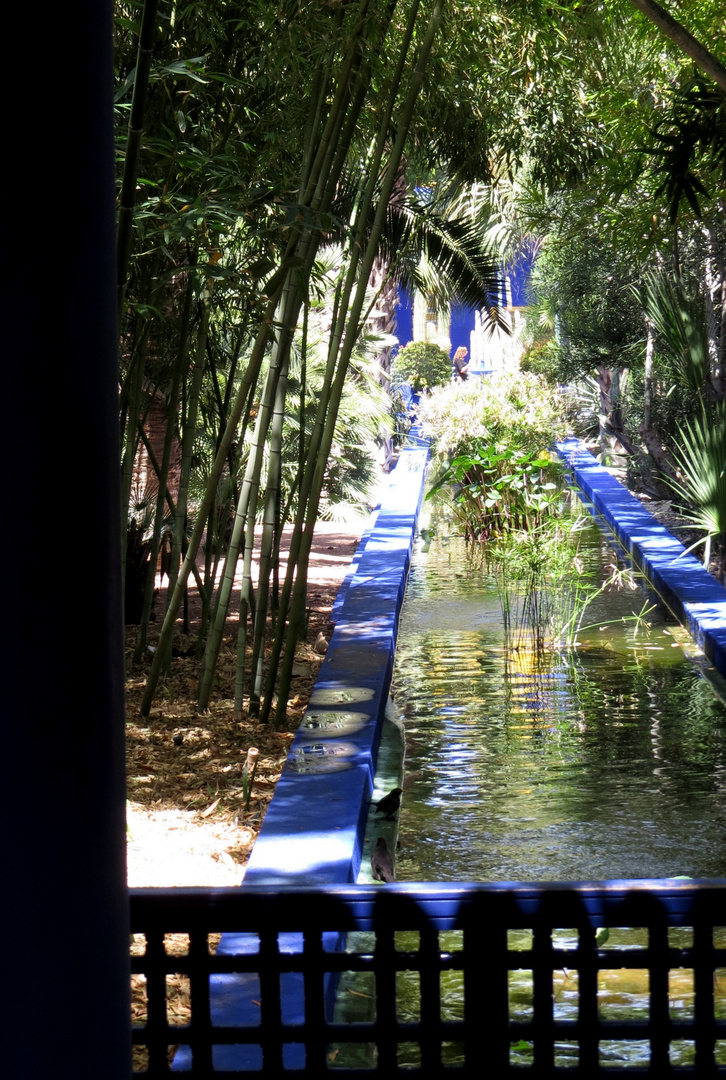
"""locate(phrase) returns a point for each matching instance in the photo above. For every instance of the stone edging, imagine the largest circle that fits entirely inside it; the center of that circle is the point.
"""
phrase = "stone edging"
(693, 595)
(313, 829)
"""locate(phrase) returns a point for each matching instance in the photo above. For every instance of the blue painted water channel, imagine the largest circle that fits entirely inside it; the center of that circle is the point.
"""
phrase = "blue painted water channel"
(603, 760)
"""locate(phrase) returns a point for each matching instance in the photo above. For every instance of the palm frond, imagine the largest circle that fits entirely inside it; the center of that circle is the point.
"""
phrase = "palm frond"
(701, 457)
(679, 319)
(689, 143)
(450, 258)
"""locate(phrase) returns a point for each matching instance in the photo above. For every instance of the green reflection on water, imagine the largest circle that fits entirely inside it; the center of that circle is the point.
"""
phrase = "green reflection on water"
(606, 760)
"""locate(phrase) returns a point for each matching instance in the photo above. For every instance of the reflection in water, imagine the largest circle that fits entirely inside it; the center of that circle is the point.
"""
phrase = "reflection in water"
(603, 761)
(607, 760)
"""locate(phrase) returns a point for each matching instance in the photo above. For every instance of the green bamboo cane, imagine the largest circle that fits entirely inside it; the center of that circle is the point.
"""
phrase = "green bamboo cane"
(230, 501)
(133, 148)
(163, 472)
(320, 193)
(131, 441)
(188, 438)
(169, 500)
(338, 109)
(167, 629)
(297, 608)
(247, 502)
(272, 491)
(362, 207)
(274, 287)
(339, 322)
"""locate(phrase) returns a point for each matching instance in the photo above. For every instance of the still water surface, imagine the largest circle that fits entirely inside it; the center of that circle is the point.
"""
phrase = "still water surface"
(607, 760)
(604, 760)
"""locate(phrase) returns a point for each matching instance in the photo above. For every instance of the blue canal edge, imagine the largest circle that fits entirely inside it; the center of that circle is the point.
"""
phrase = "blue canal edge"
(694, 596)
(314, 827)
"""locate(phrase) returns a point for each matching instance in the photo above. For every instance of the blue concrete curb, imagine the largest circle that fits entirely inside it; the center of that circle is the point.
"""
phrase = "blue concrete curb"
(693, 595)
(328, 776)
(314, 827)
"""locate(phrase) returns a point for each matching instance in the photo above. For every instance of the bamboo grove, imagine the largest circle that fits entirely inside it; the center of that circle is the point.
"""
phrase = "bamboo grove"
(283, 166)
(254, 141)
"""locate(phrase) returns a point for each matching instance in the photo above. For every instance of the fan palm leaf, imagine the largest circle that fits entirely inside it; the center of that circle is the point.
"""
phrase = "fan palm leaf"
(701, 457)
(679, 319)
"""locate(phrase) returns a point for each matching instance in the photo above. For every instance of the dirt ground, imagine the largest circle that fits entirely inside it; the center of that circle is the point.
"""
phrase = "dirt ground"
(187, 819)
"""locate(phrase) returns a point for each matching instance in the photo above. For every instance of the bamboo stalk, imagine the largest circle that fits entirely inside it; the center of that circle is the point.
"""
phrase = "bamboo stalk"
(124, 231)
(246, 504)
(297, 609)
(163, 472)
(318, 189)
(357, 243)
(167, 629)
(272, 492)
(188, 437)
(322, 192)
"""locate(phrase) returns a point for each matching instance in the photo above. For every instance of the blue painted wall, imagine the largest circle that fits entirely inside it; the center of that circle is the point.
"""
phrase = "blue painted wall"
(462, 326)
(463, 318)
(404, 318)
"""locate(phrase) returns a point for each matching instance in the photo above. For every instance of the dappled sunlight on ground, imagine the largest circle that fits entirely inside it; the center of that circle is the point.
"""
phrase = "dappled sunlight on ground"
(187, 822)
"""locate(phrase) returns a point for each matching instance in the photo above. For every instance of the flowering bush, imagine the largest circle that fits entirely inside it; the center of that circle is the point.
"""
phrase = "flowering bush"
(517, 411)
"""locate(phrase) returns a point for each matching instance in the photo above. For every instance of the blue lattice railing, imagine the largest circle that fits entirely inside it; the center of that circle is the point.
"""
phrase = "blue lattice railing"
(480, 980)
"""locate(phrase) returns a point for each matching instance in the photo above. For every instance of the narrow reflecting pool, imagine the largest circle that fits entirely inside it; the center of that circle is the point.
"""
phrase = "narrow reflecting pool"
(594, 754)
(605, 759)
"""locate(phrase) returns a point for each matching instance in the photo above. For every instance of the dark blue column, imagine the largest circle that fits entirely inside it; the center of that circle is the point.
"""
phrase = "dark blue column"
(65, 925)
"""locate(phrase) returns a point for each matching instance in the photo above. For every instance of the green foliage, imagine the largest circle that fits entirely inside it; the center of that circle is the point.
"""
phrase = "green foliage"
(701, 456)
(495, 492)
(585, 280)
(421, 364)
(690, 144)
(677, 313)
(541, 358)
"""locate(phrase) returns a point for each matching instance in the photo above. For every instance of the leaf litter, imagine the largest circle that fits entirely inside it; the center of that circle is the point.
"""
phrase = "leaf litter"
(186, 819)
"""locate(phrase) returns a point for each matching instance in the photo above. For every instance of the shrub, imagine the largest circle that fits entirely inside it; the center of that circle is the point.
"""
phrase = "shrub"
(510, 412)
(421, 363)
(542, 359)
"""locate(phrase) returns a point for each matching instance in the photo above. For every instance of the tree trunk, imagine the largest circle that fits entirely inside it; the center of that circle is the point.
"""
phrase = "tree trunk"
(683, 39)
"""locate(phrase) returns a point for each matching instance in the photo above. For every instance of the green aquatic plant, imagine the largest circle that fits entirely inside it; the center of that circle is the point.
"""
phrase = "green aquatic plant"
(533, 571)
(493, 491)
(544, 589)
